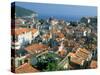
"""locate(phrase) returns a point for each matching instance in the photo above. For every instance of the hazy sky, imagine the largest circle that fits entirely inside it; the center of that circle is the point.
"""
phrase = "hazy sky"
(61, 10)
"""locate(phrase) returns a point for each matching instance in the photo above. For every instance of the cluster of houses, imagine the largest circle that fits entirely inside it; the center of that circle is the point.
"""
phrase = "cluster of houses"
(23, 36)
(31, 39)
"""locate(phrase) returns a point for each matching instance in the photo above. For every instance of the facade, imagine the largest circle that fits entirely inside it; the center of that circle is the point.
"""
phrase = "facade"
(23, 36)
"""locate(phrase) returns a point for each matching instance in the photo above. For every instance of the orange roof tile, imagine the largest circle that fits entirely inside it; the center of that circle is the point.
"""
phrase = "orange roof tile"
(82, 53)
(46, 36)
(84, 50)
(59, 34)
(71, 54)
(77, 60)
(25, 68)
(33, 30)
(79, 57)
(18, 31)
(93, 64)
(62, 52)
(36, 47)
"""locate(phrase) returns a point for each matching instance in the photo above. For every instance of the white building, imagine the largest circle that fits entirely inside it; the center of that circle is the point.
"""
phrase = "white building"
(22, 37)
(21, 60)
(35, 33)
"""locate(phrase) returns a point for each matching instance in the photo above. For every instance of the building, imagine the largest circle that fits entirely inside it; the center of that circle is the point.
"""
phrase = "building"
(25, 68)
(53, 21)
(89, 20)
(19, 60)
(84, 54)
(93, 64)
(36, 48)
(79, 32)
(85, 20)
(61, 51)
(46, 38)
(80, 56)
(58, 35)
(35, 33)
(22, 36)
(75, 60)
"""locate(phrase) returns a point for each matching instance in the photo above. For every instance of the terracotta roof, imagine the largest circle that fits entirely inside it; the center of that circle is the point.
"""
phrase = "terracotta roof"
(80, 56)
(82, 53)
(34, 48)
(84, 50)
(46, 36)
(93, 64)
(18, 31)
(25, 68)
(34, 30)
(75, 59)
(71, 54)
(59, 34)
(62, 52)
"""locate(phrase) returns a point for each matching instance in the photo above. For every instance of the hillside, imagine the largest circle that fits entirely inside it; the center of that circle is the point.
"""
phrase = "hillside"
(20, 11)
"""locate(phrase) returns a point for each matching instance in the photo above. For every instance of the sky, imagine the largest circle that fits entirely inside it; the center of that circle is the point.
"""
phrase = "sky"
(59, 10)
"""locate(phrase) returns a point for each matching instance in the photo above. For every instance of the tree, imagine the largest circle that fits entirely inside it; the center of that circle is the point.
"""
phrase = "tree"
(49, 63)
(51, 66)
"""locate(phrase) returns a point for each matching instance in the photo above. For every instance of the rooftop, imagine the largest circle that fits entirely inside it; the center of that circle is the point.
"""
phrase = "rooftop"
(46, 36)
(93, 64)
(82, 53)
(18, 31)
(36, 48)
(77, 60)
(25, 68)
(79, 56)
(34, 30)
